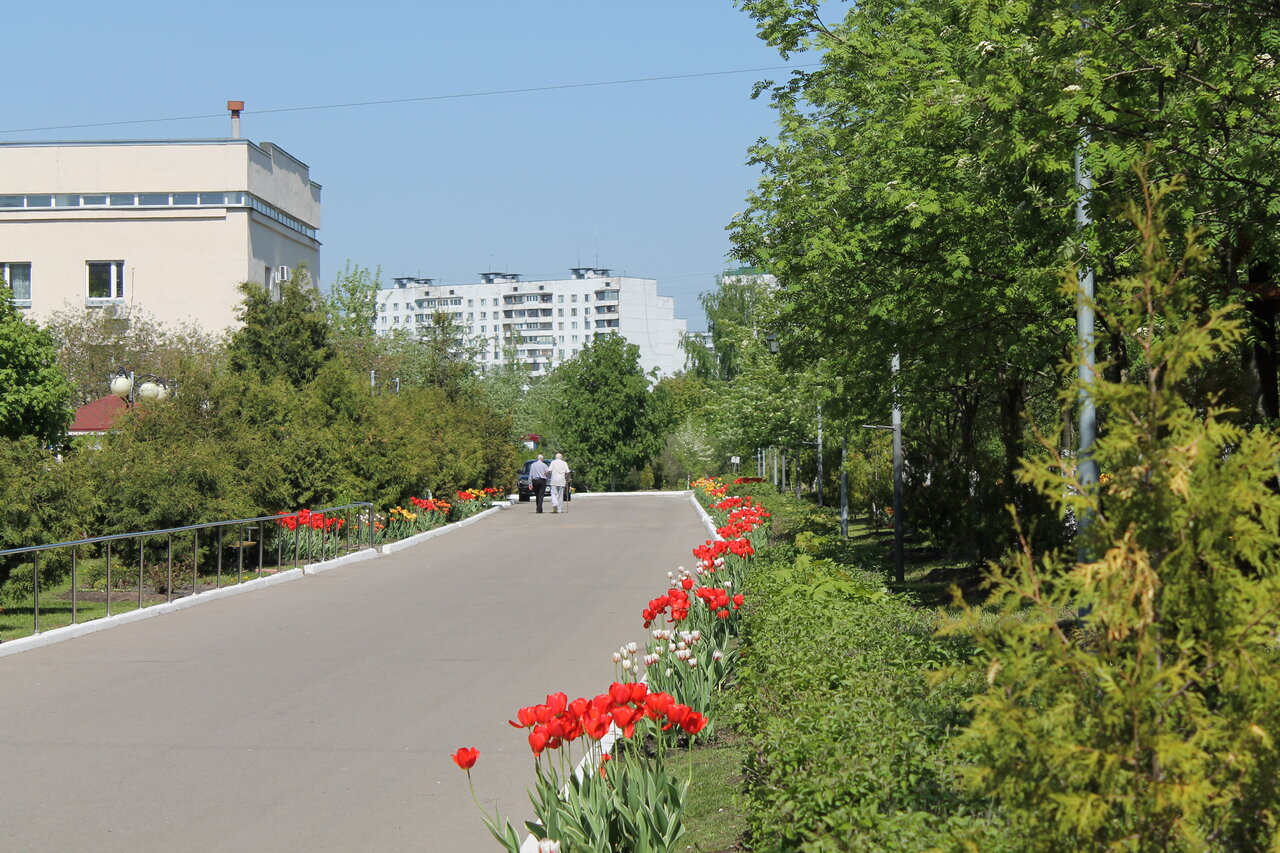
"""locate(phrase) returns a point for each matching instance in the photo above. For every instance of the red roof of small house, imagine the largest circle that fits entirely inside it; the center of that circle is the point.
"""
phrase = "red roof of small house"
(97, 416)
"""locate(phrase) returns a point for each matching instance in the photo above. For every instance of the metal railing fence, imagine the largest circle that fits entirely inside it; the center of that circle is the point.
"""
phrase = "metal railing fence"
(298, 538)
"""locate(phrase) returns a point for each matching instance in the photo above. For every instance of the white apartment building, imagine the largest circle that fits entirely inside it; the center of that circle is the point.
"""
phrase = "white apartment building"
(171, 227)
(541, 323)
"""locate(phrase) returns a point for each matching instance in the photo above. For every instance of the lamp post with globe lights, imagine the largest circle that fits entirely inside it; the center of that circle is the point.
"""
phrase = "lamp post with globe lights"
(132, 387)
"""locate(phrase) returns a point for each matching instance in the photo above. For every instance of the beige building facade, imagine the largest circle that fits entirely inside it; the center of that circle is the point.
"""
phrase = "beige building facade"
(167, 227)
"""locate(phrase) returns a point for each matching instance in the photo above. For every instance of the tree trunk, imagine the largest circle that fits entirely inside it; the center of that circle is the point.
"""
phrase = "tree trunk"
(1261, 306)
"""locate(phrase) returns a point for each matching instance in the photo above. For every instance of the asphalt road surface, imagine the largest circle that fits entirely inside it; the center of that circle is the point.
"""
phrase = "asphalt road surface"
(319, 715)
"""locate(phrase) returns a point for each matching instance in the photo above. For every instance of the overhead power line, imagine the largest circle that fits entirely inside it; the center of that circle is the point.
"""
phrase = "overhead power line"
(453, 96)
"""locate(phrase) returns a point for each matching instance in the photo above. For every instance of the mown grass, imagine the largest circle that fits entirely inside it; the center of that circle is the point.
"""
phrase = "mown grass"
(713, 819)
(16, 617)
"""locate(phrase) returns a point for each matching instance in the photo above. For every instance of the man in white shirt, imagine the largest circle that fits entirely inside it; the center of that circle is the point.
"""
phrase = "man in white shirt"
(559, 474)
(538, 480)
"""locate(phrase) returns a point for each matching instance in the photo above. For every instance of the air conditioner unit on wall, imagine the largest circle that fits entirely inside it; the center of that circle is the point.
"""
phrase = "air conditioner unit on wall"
(283, 273)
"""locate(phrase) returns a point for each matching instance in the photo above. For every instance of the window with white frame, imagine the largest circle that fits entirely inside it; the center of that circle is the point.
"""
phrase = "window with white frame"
(106, 279)
(17, 275)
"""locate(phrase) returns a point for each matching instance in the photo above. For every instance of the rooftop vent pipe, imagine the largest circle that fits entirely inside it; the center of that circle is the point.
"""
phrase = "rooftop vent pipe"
(235, 107)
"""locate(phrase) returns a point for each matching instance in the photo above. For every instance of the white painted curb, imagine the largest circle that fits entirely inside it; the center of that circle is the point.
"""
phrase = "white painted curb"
(344, 560)
(662, 493)
(706, 519)
(400, 545)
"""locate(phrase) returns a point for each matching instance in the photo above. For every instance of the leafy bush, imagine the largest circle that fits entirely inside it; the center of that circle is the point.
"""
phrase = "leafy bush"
(848, 739)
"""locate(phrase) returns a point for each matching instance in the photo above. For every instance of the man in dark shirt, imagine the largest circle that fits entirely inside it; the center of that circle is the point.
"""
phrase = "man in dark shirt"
(538, 479)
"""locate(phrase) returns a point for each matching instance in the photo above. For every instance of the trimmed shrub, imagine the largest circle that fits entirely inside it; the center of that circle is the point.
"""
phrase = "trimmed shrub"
(848, 737)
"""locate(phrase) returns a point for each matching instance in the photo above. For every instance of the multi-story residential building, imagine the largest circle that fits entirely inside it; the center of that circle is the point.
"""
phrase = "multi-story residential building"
(171, 227)
(541, 323)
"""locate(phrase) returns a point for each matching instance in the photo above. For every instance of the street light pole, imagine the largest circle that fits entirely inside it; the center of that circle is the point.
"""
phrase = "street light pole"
(1087, 467)
(844, 486)
(819, 454)
(898, 558)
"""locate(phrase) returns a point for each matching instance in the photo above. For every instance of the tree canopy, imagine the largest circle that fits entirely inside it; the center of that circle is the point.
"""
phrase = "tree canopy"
(602, 412)
(35, 396)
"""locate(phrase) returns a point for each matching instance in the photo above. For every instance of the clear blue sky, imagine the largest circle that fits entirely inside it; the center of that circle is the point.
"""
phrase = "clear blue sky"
(640, 177)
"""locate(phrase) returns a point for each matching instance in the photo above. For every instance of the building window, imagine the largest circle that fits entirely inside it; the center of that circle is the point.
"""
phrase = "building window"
(573, 297)
(586, 312)
(18, 277)
(471, 303)
(560, 298)
(586, 297)
(573, 312)
(106, 279)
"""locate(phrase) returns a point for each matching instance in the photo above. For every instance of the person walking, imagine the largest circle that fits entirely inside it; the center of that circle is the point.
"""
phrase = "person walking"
(538, 480)
(559, 482)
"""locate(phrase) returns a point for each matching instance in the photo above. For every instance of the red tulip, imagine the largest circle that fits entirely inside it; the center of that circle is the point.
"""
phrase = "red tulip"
(693, 723)
(538, 740)
(620, 693)
(526, 716)
(466, 757)
(557, 702)
(596, 723)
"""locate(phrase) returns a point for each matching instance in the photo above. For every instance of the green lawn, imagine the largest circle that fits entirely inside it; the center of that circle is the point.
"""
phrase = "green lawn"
(55, 601)
(713, 821)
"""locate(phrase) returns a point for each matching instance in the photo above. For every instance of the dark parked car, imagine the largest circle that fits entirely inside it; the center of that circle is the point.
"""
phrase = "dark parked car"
(522, 481)
(526, 491)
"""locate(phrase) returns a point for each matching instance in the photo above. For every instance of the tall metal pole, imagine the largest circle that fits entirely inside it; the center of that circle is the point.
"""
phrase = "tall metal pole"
(1087, 467)
(899, 569)
(844, 486)
(819, 454)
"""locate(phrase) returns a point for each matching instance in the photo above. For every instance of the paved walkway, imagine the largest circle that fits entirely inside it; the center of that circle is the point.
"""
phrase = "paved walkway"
(319, 715)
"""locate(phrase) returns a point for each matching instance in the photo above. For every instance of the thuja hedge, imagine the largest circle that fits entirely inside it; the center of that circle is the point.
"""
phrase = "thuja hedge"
(848, 735)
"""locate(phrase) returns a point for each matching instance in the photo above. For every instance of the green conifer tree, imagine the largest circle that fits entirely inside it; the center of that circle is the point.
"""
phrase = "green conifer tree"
(1151, 725)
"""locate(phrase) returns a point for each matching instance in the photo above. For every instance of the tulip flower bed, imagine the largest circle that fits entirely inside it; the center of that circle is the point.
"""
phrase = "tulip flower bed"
(320, 538)
(602, 765)
(471, 501)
